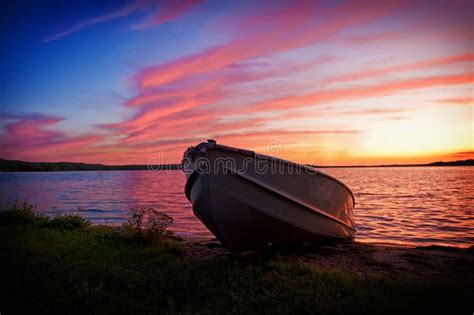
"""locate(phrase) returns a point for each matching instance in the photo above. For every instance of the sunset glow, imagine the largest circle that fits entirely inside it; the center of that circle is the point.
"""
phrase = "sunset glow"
(331, 82)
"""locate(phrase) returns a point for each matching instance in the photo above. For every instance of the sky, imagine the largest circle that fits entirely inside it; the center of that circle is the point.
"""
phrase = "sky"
(320, 82)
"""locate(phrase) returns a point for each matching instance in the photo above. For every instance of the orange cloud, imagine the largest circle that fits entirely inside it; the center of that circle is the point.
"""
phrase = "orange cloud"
(464, 155)
(457, 101)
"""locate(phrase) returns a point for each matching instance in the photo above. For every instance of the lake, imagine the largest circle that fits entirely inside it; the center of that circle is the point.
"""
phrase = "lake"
(402, 205)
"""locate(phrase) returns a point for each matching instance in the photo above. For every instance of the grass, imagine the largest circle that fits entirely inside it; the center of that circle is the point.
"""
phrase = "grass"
(64, 265)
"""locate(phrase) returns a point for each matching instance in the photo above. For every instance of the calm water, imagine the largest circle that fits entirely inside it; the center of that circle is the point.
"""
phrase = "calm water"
(426, 205)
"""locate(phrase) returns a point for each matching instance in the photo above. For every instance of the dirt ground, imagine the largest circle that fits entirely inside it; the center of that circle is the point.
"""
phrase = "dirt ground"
(391, 261)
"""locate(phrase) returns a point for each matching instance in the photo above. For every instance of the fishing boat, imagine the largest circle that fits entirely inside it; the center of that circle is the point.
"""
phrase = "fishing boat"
(250, 200)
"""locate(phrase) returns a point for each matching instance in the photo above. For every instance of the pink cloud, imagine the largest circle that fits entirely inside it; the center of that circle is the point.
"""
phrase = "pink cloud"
(32, 128)
(362, 91)
(165, 106)
(29, 138)
(283, 33)
(424, 64)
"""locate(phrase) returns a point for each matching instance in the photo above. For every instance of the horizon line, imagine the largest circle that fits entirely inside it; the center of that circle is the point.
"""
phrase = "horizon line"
(307, 164)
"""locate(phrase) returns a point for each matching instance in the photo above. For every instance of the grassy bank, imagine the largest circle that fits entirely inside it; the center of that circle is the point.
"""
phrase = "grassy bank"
(64, 265)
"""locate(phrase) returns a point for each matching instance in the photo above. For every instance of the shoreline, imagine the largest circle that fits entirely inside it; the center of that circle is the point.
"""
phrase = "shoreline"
(385, 259)
(13, 166)
(208, 239)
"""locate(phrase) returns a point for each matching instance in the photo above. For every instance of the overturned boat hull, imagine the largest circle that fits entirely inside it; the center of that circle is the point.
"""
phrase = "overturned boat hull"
(249, 201)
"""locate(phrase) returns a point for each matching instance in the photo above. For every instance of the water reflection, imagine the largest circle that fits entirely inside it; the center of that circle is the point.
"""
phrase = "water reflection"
(428, 205)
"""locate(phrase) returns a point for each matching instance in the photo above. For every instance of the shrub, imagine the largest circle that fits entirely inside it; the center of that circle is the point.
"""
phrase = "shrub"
(69, 222)
(148, 224)
(20, 213)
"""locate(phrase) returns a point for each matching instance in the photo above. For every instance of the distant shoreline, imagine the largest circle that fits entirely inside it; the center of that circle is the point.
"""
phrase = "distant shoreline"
(469, 162)
(24, 166)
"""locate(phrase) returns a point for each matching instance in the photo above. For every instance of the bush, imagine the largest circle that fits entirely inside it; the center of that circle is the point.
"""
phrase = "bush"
(20, 213)
(147, 224)
(69, 222)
